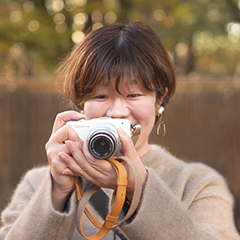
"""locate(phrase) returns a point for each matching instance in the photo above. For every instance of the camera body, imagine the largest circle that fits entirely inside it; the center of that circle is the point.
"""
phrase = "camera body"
(101, 135)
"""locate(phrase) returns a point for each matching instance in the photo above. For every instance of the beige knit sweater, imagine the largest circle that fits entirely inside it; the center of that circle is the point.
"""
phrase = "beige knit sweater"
(180, 201)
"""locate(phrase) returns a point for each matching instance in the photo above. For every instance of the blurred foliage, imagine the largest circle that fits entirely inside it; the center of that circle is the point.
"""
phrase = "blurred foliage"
(202, 36)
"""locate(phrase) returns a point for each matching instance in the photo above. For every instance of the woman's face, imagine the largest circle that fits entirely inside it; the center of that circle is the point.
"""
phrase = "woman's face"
(132, 102)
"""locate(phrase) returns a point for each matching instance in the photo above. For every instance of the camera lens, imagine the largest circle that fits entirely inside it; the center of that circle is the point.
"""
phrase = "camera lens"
(101, 145)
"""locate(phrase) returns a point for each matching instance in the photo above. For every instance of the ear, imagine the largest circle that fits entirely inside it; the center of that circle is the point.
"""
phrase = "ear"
(160, 100)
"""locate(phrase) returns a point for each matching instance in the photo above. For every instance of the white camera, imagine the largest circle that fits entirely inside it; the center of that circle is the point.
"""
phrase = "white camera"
(101, 135)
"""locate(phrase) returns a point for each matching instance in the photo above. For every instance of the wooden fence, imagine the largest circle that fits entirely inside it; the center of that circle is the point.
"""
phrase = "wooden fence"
(202, 119)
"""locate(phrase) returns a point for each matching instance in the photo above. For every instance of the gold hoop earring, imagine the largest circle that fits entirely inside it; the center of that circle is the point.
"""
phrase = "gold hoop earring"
(161, 128)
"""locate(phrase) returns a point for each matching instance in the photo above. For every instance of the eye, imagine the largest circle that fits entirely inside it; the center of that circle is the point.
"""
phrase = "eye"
(134, 95)
(100, 96)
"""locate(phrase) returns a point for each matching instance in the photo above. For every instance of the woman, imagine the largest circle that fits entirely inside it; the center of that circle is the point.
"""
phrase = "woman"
(119, 71)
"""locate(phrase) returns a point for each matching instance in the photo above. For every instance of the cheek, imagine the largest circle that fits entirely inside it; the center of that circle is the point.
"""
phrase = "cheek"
(148, 108)
(93, 110)
(149, 116)
(145, 114)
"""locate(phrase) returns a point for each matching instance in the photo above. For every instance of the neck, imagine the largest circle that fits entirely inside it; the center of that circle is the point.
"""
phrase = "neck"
(142, 149)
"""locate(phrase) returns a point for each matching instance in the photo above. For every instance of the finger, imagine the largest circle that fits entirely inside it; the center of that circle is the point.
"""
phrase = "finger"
(57, 143)
(97, 171)
(100, 165)
(67, 171)
(72, 168)
(58, 166)
(66, 133)
(64, 117)
(104, 175)
(127, 143)
(85, 170)
(53, 150)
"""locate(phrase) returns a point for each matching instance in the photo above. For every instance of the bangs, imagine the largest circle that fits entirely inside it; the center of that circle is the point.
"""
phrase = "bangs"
(127, 67)
(117, 63)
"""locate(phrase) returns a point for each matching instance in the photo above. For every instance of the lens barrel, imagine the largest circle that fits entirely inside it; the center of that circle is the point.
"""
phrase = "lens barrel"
(102, 145)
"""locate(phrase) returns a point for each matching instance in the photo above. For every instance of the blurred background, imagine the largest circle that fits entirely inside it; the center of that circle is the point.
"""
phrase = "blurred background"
(202, 37)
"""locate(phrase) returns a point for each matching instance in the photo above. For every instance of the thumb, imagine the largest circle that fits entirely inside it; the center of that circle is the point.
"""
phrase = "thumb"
(127, 143)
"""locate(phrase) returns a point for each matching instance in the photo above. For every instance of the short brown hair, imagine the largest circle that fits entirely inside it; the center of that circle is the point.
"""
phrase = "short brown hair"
(115, 52)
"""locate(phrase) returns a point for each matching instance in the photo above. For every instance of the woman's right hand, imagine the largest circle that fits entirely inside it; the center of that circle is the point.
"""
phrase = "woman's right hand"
(62, 175)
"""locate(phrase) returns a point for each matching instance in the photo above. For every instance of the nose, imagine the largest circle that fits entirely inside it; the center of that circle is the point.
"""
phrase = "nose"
(118, 108)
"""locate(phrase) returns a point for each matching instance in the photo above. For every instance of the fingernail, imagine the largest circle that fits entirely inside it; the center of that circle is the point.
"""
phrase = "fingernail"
(120, 130)
(68, 142)
(65, 172)
(61, 155)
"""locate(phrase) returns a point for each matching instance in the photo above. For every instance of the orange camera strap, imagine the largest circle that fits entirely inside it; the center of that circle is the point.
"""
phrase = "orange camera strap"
(112, 219)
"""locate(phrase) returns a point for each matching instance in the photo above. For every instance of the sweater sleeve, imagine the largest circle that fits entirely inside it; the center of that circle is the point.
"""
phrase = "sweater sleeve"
(30, 214)
(198, 208)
